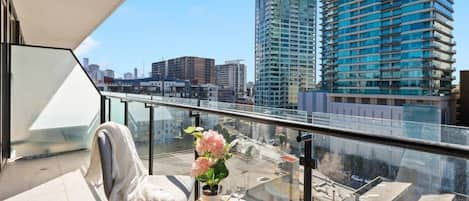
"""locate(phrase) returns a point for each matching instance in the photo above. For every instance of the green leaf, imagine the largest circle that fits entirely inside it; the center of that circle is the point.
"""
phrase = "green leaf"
(210, 175)
(198, 134)
(189, 130)
(220, 170)
(202, 178)
(227, 149)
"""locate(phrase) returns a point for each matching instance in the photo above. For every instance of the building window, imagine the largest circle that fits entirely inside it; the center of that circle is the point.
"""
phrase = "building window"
(399, 102)
(350, 100)
(382, 101)
(366, 101)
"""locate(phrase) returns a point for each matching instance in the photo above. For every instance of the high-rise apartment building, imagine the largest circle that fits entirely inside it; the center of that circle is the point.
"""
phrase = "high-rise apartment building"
(86, 62)
(285, 51)
(232, 75)
(388, 52)
(95, 73)
(198, 70)
(159, 69)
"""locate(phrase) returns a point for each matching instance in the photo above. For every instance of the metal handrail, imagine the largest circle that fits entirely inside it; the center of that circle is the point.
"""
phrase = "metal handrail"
(433, 147)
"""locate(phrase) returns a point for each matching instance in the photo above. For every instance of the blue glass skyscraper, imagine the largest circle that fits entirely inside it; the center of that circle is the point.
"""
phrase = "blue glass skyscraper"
(285, 51)
(395, 47)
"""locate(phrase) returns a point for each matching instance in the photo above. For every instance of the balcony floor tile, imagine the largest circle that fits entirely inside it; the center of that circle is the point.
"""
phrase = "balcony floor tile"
(54, 178)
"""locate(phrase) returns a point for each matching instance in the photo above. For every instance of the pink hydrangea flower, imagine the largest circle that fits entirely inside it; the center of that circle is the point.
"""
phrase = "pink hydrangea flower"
(201, 166)
(211, 142)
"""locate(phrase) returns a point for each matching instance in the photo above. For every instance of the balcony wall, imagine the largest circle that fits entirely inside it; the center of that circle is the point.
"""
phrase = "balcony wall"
(55, 106)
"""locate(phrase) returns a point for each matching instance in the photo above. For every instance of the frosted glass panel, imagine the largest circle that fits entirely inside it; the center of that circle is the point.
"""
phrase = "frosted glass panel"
(117, 111)
(55, 107)
(139, 122)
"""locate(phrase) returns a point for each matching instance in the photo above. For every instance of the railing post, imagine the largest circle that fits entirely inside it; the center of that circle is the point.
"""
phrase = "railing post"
(197, 187)
(150, 138)
(103, 109)
(109, 112)
(307, 162)
(126, 111)
(308, 166)
(197, 124)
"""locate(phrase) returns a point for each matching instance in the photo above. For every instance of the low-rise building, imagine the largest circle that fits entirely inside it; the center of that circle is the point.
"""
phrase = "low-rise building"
(205, 92)
(313, 101)
(226, 95)
(376, 106)
(109, 73)
(390, 107)
(392, 191)
(174, 88)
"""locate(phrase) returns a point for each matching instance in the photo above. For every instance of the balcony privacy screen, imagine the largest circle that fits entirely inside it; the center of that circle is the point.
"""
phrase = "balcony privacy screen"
(55, 107)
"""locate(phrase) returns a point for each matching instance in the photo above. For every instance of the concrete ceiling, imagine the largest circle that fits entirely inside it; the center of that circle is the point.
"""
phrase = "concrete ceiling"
(61, 23)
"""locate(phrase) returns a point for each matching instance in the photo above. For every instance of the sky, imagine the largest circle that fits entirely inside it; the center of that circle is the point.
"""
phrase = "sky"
(140, 32)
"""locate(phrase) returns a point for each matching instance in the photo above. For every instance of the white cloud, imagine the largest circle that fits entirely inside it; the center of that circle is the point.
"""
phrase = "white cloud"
(86, 46)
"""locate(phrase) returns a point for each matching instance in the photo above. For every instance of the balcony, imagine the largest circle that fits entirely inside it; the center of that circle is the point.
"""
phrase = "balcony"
(289, 154)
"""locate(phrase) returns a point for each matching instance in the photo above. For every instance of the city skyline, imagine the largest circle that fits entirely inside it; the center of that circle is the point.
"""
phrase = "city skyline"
(387, 124)
(140, 44)
(155, 43)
